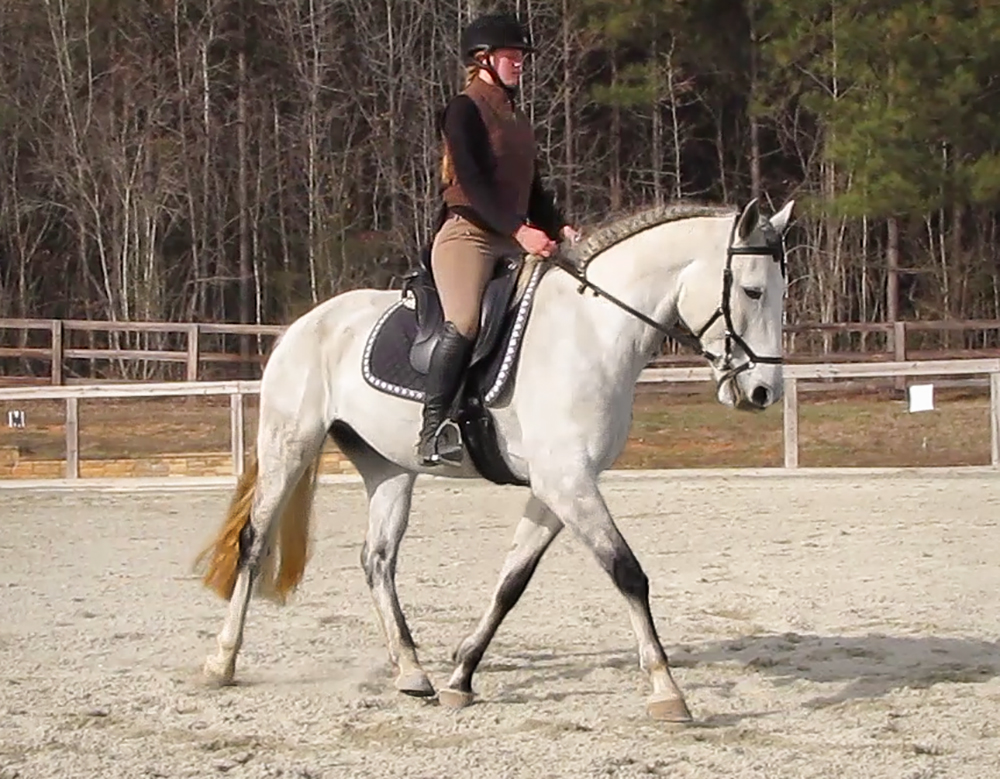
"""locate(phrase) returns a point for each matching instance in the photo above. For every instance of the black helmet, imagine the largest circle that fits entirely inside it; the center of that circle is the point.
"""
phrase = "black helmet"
(494, 31)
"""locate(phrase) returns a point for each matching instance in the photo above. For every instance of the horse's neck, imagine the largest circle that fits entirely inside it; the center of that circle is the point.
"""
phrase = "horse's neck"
(644, 273)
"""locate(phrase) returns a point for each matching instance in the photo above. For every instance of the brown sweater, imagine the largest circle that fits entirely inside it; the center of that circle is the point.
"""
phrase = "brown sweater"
(492, 147)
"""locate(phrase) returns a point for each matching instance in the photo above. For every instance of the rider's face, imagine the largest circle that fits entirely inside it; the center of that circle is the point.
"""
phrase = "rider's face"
(508, 63)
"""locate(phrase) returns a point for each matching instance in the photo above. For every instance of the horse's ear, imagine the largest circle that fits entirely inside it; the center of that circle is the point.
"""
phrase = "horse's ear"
(781, 219)
(748, 220)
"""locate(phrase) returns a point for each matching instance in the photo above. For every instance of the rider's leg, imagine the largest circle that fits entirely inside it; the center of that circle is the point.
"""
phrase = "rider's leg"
(444, 376)
(462, 260)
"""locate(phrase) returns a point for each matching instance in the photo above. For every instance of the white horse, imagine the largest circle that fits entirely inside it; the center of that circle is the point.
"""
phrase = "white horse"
(713, 274)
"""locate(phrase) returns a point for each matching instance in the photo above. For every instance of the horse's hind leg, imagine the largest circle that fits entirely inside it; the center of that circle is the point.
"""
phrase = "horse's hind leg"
(536, 530)
(279, 482)
(390, 490)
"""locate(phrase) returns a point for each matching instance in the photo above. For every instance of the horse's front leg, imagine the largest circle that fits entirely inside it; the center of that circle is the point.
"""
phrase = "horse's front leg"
(580, 505)
(536, 530)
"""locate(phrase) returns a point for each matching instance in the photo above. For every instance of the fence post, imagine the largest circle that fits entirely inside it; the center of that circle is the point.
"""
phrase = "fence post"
(57, 352)
(72, 438)
(899, 341)
(192, 351)
(995, 419)
(791, 423)
(899, 351)
(236, 431)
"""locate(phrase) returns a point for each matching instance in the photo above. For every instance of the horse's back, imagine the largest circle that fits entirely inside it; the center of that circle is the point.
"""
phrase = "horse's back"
(320, 340)
(343, 317)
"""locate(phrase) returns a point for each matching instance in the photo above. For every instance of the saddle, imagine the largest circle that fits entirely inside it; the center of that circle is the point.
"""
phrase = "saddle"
(430, 316)
(397, 354)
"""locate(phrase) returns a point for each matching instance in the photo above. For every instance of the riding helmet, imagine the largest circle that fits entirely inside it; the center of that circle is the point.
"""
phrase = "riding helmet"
(494, 31)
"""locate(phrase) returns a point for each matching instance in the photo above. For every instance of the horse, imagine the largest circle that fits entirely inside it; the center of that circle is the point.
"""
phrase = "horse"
(712, 276)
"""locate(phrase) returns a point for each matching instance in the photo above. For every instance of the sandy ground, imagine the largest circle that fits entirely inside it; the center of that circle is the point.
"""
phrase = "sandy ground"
(822, 625)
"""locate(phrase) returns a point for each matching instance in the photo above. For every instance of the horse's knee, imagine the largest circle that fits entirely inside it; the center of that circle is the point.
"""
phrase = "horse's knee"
(628, 575)
(375, 562)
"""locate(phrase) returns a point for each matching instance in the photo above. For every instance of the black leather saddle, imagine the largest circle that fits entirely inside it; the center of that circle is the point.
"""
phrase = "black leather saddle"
(493, 314)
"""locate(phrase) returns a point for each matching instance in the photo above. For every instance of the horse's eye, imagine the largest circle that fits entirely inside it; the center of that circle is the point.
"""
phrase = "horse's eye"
(754, 293)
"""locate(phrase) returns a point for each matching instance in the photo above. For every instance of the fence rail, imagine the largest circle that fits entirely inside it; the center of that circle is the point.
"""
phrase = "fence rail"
(59, 348)
(57, 343)
(793, 374)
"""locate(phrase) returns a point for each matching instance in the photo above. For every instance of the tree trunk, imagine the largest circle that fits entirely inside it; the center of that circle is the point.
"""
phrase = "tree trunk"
(568, 127)
(892, 266)
(755, 175)
(616, 145)
(674, 122)
(656, 149)
(246, 279)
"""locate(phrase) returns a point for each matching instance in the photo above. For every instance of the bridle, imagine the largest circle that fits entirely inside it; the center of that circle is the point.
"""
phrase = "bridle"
(681, 331)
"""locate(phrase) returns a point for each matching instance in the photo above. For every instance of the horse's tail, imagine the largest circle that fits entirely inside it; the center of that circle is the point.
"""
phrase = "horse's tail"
(281, 570)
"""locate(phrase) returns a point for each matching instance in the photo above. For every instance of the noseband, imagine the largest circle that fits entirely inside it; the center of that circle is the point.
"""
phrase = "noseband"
(685, 334)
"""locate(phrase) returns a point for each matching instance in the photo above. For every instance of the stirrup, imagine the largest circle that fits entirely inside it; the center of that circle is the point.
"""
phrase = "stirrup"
(447, 445)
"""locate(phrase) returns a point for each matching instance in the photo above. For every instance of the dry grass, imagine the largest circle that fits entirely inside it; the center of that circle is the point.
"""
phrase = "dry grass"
(668, 431)
(860, 429)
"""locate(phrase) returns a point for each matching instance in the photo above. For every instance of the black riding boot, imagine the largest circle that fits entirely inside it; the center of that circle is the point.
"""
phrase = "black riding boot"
(444, 376)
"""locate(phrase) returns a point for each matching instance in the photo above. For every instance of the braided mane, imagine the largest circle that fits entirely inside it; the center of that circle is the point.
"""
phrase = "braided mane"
(632, 224)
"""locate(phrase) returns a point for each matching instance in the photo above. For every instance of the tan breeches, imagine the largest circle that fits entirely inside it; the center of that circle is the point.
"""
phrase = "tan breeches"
(463, 257)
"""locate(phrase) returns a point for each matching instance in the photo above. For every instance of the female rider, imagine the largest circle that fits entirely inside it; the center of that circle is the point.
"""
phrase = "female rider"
(495, 205)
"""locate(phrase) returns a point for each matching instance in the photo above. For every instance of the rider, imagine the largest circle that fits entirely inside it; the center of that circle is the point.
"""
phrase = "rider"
(494, 201)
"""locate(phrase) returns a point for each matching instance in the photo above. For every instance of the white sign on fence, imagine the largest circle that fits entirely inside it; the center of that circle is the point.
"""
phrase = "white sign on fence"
(921, 397)
(15, 419)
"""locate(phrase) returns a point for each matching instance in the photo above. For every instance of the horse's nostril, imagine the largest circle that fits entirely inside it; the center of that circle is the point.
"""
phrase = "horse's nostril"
(759, 396)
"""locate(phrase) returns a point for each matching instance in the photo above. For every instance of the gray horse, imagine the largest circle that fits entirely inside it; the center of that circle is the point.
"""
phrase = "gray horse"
(713, 274)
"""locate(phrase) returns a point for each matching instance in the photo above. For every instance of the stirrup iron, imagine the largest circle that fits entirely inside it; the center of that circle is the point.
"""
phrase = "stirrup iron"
(448, 446)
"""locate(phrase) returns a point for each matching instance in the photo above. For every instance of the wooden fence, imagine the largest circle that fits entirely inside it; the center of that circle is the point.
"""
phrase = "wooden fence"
(236, 390)
(60, 352)
(174, 343)
(793, 374)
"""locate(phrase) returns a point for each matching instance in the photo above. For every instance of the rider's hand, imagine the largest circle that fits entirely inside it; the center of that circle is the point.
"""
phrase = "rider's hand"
(534, 241)
(569, 233)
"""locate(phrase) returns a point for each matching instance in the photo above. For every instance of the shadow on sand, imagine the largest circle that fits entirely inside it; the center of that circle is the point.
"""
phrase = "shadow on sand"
(871, 665)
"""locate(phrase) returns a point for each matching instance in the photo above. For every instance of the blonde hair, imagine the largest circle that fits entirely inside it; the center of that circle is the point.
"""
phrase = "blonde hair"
(447, 166)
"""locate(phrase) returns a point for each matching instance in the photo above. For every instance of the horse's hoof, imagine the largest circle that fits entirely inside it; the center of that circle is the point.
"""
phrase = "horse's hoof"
(667, 708)
(415, 683)
(455, 699)
(218, 672)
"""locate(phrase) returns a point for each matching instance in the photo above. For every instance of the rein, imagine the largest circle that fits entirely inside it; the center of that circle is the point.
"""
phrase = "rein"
(686, 335)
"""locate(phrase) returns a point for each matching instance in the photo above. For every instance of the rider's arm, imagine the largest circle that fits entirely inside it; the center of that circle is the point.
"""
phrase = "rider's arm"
(542, 209)
(469, 145)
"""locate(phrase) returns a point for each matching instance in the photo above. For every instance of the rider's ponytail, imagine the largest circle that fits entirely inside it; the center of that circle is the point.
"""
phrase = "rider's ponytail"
(447, 167)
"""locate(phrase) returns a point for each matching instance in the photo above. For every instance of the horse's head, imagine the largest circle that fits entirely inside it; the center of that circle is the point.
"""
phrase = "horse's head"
(734, 305)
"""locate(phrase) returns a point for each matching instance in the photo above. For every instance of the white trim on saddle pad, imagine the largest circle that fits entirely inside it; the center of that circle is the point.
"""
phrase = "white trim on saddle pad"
(506, 365)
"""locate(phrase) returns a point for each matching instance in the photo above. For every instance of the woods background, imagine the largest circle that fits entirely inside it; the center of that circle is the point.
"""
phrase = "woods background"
(239, 160)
